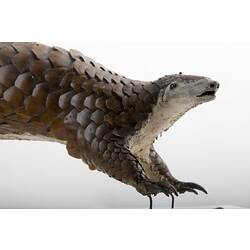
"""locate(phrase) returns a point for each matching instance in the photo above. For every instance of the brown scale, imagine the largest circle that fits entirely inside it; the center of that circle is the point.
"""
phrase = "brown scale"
(64, 95)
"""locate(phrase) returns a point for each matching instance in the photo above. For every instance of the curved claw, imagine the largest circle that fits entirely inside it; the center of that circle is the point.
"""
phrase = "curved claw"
(169, 189)
(167, 194)
(195, 186)
(182, 187)
(189, 190)
(173, 189)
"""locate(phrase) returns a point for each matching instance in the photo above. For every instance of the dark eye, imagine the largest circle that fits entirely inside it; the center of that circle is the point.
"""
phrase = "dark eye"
(173, 85)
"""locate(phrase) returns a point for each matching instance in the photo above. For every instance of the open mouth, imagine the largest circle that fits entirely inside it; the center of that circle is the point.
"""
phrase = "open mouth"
(207, 93)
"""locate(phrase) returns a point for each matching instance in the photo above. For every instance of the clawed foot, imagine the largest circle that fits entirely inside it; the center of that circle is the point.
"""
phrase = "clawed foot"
(153, 188)
(183, 187)
(173, 187)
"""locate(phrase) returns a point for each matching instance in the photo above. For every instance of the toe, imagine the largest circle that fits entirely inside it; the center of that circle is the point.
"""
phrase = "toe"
(195, 186)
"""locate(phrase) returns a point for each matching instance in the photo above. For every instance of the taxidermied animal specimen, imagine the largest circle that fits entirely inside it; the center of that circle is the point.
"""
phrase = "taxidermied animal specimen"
(105, 119)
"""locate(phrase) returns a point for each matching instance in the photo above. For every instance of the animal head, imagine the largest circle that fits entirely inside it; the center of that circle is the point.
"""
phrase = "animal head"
(187, 89)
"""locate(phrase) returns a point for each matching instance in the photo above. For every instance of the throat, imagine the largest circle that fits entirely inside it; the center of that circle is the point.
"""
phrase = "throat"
(163, 116)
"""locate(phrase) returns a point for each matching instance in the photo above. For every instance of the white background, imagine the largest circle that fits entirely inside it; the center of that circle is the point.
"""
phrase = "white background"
(167, 22)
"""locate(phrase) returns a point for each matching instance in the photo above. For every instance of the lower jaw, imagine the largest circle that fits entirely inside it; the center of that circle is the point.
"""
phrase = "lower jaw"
(205, 98)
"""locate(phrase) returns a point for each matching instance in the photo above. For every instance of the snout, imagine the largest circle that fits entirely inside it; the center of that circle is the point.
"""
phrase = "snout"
(214, 85)
(210, 88)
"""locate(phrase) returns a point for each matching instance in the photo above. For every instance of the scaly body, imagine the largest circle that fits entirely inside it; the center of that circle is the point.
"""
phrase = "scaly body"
(105, 119)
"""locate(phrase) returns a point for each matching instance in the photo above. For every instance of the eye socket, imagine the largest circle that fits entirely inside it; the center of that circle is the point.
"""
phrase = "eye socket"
(173, 85)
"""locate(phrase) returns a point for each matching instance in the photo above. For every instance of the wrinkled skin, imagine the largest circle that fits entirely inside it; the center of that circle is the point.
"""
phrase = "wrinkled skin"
(65, 96)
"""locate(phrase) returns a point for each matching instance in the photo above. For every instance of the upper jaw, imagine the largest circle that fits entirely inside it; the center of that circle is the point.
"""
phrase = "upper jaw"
(209, 91)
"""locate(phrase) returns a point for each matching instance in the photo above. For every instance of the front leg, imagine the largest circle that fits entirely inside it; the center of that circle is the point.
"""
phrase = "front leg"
(118, 162)
(110, 155)
(161, 173)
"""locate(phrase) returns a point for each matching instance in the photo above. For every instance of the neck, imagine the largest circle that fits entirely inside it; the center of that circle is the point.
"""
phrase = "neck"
(163, 116)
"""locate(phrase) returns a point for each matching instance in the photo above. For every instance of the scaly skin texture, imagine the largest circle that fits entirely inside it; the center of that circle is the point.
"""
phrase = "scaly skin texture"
(66, 96)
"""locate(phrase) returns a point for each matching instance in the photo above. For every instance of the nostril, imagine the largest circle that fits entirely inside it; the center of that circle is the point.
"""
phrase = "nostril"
(214, 85)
